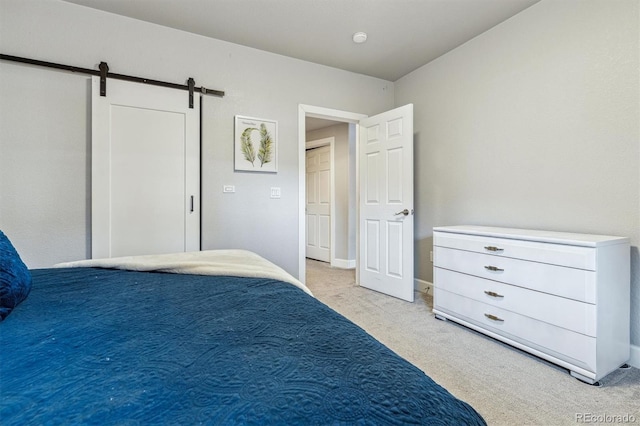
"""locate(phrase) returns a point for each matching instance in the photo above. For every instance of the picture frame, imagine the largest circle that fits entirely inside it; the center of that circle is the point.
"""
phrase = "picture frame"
(255, 144)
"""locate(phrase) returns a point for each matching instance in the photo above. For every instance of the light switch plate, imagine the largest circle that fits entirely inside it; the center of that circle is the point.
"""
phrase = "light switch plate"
(228, 188)
(275, 192)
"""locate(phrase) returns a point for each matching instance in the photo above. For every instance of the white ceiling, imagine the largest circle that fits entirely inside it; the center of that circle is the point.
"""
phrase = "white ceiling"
(403, 35)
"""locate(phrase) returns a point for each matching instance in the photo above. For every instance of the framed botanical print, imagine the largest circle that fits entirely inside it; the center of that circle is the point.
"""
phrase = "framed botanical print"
(255, 144)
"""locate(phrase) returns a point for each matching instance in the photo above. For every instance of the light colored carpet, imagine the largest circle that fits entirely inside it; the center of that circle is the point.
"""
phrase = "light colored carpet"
(505, 385)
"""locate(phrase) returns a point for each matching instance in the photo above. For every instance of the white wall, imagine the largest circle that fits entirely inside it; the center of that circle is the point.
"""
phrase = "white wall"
(44, 162)
(45, 129)
(534, 124)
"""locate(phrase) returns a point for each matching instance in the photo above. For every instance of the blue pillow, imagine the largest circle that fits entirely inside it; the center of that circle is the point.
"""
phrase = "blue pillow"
(15, 278)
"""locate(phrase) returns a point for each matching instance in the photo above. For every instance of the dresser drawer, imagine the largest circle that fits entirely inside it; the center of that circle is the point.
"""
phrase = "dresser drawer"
(554, 254)
(577, 284)
(559, 311)
(569, 346)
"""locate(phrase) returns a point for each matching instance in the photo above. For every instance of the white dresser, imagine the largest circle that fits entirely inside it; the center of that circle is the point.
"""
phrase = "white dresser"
(563, 297)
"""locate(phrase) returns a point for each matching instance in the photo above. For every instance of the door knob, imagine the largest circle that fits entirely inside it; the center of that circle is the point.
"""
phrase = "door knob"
(404, 212)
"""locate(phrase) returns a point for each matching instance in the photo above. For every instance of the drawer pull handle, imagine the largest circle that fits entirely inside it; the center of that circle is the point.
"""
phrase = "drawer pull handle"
(493, 248)
(493, 317)
(493, 268)
(492, 294)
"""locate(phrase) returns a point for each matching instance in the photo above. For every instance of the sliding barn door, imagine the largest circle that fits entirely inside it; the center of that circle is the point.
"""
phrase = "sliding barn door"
(145, 170)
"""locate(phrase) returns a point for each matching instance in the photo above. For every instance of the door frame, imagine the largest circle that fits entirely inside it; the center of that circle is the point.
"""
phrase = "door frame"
(305, 111)
(319, 143)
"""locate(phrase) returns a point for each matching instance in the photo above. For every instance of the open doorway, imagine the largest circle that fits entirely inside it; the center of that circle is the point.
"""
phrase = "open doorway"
(311, 120)
(384, 175)
(330, 209)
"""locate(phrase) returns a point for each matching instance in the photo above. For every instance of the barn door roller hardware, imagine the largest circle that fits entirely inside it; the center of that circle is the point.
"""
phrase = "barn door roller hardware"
(104, 73)
(104, 70)
(191, 84)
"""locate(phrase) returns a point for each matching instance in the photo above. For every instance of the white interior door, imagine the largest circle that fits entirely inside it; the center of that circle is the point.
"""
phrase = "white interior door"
(145, 170)
(318, 204)
(386, 203)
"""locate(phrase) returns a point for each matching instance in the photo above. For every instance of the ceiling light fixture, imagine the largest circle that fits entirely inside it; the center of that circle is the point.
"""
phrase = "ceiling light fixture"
(360, 37)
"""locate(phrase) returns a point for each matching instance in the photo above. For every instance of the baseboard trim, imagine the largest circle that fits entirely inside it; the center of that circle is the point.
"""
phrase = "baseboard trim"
(422, 286)
(634, 360)
(343, 263)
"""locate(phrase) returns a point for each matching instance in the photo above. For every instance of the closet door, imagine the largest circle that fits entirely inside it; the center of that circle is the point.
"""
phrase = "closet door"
(145, 170)
(318, 203)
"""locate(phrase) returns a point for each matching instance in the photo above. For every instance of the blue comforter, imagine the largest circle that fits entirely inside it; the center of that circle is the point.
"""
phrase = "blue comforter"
(98, 346)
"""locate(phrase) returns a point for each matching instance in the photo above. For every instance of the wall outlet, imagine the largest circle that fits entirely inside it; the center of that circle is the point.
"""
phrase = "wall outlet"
(228, 188)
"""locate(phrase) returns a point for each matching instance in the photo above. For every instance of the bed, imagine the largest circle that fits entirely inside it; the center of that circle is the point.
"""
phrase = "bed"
(167, 341)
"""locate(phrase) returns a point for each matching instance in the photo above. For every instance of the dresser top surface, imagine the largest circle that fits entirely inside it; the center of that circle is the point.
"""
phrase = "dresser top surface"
(587, 240)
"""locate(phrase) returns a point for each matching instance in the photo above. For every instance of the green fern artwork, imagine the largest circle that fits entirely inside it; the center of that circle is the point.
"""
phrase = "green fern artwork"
(266, 145)
(255, 144)
(246, 146)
